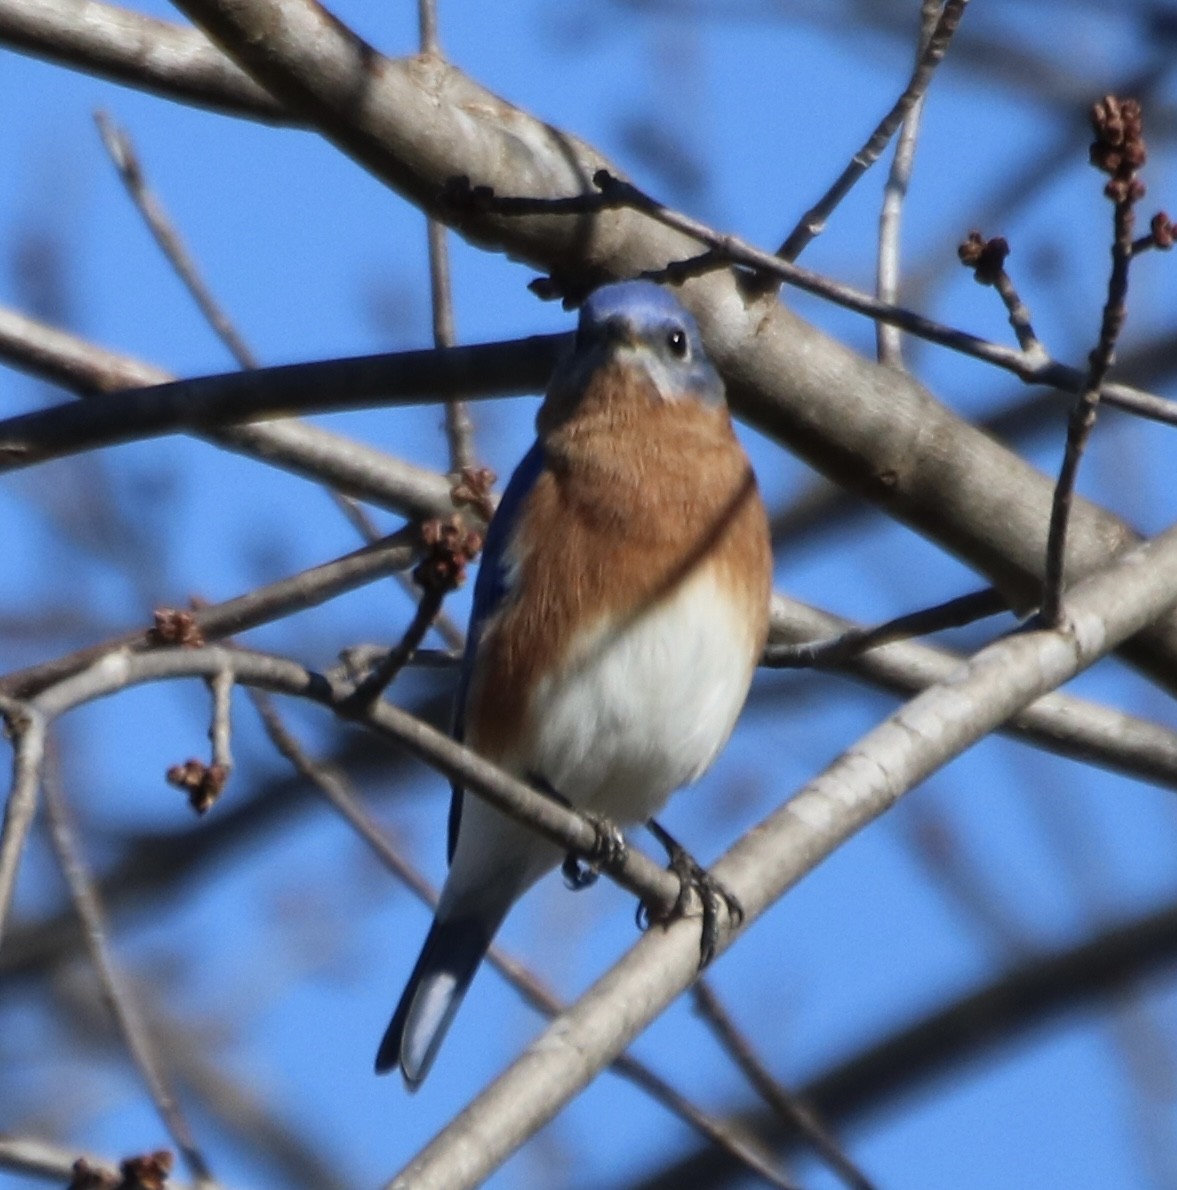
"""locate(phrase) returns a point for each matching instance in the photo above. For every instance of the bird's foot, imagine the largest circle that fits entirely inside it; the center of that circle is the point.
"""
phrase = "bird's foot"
(577, 874)
(693, 877)
(581, 871)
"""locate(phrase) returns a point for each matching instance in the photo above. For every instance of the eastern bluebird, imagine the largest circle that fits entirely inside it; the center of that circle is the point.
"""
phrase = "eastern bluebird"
(620, 610)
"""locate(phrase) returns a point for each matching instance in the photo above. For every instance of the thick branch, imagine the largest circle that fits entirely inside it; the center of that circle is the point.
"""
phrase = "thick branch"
(866, 780)
(209, 405)
(1061, 723)
(138, 50)
(419, 123)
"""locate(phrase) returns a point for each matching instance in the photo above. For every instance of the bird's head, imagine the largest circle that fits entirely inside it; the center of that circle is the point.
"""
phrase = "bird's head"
(637, 338)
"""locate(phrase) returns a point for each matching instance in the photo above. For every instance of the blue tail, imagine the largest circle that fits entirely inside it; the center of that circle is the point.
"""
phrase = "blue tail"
(450, 957)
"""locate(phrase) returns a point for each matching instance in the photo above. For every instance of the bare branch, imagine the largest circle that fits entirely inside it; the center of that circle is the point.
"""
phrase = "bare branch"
(1118, 150)
(119, 147)
(42, 1159)
(955, 613)
(1031, 367)
(309, 588)
(572, 831)
(140, 1044)
(169, 59)
(860, 785)
(222, 686)
(1060, 723)
(480, 371)
(319, 454)
(449, 547)
(791, 1109)
(813, 222)
(987, 260)
(888, 342)
(26, 726)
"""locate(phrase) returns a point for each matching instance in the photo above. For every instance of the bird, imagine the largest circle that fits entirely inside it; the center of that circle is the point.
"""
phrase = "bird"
(620, 609)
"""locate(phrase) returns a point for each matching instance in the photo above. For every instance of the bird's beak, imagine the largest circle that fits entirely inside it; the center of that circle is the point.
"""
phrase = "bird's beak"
(618, 332)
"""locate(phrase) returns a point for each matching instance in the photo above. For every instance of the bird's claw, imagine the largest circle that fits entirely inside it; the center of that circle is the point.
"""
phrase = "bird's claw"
(577, 874)
(609, 847)
(694, 878)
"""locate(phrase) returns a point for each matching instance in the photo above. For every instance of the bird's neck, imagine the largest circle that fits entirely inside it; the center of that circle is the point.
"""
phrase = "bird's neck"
(659, 464)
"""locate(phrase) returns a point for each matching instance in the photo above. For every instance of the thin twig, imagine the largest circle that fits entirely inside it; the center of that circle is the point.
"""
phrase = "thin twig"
(792, 1110)
(813, 222)
(275, 601)
(139, 1043)
(1118, 150)
(1162, 233)
(221, 730)
(121, 150)
(888, 342)
(26, 725)
(204, 783)
(954, 613)
(450, 546)
(724, 251)
(393, 661)
(459, 428)
(427, 26)
(987, 260)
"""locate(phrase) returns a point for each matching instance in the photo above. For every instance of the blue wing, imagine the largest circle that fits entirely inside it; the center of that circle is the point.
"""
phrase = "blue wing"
(490, 589)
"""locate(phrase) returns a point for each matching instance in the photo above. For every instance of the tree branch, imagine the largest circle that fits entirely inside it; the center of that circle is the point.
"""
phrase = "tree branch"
(419, 123)
(287, 596)
(892, 758)
(85, 369)
(142, 1048)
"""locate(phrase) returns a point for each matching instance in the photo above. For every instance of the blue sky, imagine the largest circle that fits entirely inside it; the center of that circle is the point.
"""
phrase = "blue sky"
(302, 942)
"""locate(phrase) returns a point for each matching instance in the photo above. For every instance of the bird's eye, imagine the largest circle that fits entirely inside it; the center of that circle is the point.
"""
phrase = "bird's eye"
(676, 340)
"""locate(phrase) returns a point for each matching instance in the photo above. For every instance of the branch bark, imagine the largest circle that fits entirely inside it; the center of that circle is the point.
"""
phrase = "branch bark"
(88, 370)
(418, 124)
(866, 780)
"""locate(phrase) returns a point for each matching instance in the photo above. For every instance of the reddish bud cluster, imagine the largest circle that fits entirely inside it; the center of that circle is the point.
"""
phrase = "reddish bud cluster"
(985, 257)
(473, 490)
(1118, 148)
(449, 546)
(202, 782)
(1163, 230)
(137, 1173)
(175, 627)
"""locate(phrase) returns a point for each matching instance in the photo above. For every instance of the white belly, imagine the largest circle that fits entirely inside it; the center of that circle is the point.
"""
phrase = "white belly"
(645, 706)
